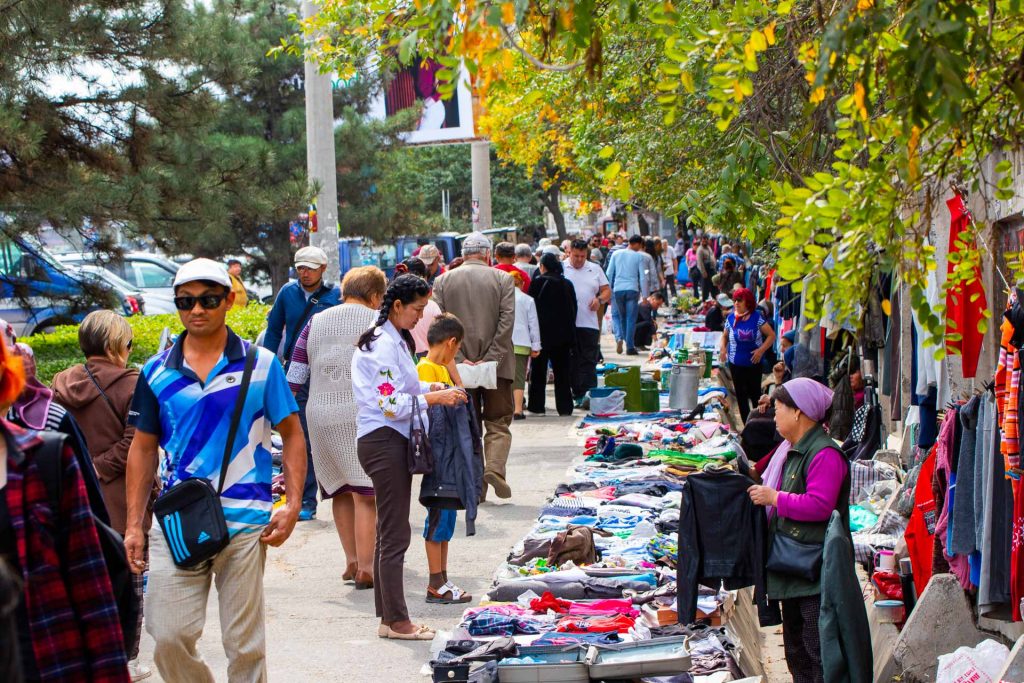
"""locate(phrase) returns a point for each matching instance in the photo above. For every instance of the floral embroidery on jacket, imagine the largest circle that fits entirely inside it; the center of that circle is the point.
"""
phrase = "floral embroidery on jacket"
(387, 402)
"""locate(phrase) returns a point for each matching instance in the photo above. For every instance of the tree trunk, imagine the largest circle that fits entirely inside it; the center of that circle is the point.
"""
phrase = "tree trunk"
(645, 228)
(550, 199)
(277, 251)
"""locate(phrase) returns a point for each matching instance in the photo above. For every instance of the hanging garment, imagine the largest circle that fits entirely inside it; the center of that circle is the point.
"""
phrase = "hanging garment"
(1017, 551)
(456, 482)
(920, 533)
(962, 523)
(965, 302)
(721, 538)
(994, 539)
(942, 560)
(843, 624)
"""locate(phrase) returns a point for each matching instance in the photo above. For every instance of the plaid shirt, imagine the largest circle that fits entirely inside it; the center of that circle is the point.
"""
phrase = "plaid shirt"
(76, 635)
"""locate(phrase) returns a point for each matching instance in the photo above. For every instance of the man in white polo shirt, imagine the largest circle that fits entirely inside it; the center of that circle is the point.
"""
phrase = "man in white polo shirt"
(592, 291)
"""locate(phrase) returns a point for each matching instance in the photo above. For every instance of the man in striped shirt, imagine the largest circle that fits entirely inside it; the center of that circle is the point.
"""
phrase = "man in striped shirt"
(184, 403)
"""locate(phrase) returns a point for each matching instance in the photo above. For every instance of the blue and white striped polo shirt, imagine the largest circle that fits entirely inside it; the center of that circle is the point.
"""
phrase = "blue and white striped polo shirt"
(192, 420)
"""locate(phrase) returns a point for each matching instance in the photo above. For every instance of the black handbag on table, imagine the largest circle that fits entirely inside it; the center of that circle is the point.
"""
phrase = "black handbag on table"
(189, 513)
(795, 558)
(421, 458)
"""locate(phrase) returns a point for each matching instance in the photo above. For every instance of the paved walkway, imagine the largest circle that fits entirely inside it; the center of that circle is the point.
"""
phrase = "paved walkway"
(319, 629)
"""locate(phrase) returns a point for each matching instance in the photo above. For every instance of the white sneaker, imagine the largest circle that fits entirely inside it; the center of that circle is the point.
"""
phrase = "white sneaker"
(138, 671)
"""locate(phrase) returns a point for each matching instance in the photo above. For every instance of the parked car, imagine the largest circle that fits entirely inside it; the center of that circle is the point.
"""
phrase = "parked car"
(38, 292)
(151, 273)
(147, 304)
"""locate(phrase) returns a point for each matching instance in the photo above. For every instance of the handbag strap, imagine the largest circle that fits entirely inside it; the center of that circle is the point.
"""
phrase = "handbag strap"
(415, 416)
(250, 363)
(103, 394)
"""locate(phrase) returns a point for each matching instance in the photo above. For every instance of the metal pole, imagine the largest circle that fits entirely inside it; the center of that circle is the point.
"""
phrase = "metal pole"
(321, 163)
(480, 159)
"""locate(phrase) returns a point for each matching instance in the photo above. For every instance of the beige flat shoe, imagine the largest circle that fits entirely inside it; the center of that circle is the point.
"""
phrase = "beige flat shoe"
(421, 633)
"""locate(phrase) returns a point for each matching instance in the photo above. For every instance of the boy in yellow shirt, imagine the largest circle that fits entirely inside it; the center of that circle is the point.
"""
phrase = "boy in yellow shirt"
(444, 337)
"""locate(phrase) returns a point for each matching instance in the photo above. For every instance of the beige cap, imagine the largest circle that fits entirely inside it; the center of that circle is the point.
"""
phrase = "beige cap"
(428, 254)
(310, 257)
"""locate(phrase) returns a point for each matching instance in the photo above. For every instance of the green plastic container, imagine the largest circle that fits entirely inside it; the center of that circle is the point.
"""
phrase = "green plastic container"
(650, 399)
(627, 379)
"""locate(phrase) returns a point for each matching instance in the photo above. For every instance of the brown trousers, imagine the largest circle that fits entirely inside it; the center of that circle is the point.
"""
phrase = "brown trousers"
(382, 453)
(494, 408)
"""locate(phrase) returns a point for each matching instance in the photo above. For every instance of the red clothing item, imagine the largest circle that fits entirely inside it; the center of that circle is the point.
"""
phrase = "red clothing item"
(620, 623)
(920, 533)
(1017, 551)
(508, 269)
(548, 602)
(965, 303)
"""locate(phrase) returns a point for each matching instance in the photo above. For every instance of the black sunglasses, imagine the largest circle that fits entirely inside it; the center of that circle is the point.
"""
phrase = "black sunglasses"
(207, 301)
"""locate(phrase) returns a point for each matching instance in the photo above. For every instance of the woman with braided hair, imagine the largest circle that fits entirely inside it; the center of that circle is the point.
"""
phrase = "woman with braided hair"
(387, 390)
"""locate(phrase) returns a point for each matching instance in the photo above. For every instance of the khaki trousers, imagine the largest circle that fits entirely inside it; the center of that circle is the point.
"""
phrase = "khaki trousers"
(494, 408)
(176, 610)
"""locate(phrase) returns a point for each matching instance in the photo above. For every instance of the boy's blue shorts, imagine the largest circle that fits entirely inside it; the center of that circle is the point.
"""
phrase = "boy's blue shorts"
(443, 522)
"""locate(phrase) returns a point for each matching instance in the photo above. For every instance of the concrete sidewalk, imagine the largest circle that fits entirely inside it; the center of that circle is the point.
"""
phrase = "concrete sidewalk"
(319, 629)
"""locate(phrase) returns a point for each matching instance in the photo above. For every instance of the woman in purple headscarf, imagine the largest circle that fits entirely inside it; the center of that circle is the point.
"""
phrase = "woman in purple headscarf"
(807, 479)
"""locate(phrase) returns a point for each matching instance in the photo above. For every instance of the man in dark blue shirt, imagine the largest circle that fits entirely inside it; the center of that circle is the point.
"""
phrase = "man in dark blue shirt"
(295, 304)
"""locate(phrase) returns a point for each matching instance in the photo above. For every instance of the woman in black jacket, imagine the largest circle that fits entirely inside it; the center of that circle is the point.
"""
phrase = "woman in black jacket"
(556, 312)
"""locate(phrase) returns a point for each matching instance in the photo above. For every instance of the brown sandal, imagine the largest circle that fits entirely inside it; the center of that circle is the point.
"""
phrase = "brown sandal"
(364, 580)
(448, 594)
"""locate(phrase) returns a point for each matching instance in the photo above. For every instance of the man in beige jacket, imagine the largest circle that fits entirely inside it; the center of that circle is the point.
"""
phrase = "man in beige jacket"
(483, 298)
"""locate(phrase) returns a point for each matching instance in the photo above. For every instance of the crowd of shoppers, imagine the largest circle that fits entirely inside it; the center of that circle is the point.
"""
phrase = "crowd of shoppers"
(347, 375)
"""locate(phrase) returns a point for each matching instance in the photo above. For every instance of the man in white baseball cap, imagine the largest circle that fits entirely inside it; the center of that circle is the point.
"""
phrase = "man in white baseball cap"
(296, 303)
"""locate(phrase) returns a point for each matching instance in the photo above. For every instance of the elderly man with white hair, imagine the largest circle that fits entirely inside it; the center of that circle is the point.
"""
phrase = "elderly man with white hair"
(483, 298)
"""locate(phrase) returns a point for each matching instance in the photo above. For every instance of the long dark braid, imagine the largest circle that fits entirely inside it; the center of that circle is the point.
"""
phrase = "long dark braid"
(405, 288)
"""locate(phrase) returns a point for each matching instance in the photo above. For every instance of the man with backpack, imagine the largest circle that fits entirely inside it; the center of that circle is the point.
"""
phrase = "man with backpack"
(210, 402)
(295, 304)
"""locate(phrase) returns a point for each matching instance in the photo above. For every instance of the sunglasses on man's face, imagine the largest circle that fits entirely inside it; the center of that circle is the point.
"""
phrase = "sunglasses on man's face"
(207, 301)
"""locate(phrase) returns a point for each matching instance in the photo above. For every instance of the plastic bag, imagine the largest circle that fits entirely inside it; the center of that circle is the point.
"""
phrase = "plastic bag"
(480, 376)
(980, 664)
(615, 402)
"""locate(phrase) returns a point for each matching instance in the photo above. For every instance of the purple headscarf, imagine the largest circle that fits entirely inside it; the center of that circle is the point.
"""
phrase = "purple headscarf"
(813, 399)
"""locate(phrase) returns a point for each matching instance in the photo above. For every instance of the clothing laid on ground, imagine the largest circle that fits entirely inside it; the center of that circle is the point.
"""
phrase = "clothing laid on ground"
(192, 420)
(323, 358)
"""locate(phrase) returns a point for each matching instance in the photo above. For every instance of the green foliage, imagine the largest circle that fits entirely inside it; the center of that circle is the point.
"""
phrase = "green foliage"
(59, 349)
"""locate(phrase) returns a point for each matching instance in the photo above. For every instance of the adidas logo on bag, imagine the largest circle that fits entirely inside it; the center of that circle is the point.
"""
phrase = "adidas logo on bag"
(203, 537)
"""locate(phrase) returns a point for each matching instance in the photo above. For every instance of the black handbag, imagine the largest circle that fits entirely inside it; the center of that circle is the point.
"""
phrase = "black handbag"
(795, 558)
(421, 458)
(189, 513)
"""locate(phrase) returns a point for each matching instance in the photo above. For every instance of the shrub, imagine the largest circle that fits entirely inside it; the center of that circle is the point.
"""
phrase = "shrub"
(59, 349)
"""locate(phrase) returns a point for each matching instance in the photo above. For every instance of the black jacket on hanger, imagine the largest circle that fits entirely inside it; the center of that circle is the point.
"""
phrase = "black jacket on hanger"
(721, 538)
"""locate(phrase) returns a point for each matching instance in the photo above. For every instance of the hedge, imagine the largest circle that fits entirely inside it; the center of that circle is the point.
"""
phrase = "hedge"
(59, 349)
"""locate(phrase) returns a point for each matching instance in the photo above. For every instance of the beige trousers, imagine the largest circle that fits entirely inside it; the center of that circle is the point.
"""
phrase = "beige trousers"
(176, 610)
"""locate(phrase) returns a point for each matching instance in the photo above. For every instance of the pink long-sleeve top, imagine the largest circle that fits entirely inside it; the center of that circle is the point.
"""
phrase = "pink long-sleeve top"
(824, 478)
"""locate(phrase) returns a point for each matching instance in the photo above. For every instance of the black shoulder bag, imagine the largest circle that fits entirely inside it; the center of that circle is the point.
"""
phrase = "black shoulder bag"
(313, 301)
(419, 453)
(189, 513)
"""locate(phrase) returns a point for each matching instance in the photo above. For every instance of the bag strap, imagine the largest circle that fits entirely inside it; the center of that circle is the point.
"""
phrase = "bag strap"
(297, 330)
(103, 394)
(415, 415)
(250, 363)
(48, 460)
